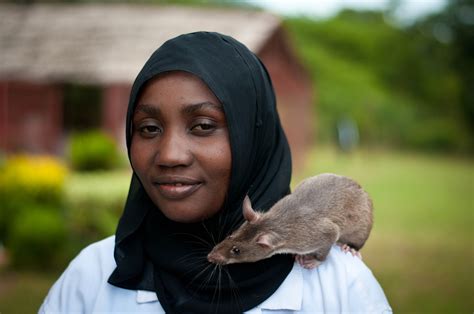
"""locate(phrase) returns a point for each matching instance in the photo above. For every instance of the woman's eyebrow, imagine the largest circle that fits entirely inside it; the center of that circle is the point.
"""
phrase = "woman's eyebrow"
(148, 109)
(191, 108)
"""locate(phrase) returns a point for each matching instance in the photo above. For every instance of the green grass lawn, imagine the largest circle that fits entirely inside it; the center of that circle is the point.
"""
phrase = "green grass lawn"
(422, 245)
(421, 248)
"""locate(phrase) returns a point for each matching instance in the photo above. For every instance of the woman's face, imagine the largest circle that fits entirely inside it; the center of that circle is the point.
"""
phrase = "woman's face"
(180, 147)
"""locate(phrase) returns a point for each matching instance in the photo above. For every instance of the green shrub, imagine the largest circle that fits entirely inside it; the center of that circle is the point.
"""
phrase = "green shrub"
(93, 150)
(95, 202)
(33, 178)
(440, 135)
(87, 225)
(37, 239)
(396, 99)
(28, 180)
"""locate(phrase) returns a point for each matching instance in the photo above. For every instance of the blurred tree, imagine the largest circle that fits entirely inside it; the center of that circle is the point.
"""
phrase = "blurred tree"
(454, 27)
(403, 85)
(403, 76)
(177, 2)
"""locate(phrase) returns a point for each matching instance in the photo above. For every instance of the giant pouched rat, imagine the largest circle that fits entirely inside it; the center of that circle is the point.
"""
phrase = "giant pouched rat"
(322, 210)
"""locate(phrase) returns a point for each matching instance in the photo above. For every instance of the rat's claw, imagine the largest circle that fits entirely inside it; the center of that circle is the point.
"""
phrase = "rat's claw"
(357, 253)
(307, 261)
(346, 248)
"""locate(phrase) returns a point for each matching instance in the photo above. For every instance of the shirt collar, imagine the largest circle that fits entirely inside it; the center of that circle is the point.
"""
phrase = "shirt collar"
(289, 296)
(144, 296)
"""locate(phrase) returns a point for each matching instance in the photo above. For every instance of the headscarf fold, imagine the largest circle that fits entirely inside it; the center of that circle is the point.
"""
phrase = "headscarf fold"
(157, 254)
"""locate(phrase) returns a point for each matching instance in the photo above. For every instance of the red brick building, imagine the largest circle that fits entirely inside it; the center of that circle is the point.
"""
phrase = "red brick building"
(53, 54)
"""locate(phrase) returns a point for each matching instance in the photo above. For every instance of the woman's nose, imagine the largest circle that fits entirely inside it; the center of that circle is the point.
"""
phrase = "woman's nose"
(173, 151)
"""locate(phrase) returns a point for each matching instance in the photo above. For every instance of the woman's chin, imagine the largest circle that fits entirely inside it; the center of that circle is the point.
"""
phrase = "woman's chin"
(185, 216)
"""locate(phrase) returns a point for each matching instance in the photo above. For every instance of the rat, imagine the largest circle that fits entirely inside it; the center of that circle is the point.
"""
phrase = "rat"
(322, 210)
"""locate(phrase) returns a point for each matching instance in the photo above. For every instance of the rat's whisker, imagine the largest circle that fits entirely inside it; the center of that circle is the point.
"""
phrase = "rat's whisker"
(218, 288)
(192, 267)
(219, 278)
(222, 224)
(212, 273)
(209, 233)
(198, 275)
(197, 243)
(206, 281)
(200, 239)
(196, 255)
(195, 266)
(235, 291)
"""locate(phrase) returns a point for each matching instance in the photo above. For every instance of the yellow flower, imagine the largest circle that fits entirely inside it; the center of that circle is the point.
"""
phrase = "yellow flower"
(33, 176)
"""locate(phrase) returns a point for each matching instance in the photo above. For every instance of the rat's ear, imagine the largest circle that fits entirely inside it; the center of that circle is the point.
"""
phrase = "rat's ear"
(249, 214)
(266, 240)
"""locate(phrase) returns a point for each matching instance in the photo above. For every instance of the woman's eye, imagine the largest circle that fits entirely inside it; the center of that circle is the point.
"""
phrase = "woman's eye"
(149, 130)
(203, 127)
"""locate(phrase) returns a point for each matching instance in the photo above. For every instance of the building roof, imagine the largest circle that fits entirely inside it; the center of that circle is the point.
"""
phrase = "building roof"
(99, 43)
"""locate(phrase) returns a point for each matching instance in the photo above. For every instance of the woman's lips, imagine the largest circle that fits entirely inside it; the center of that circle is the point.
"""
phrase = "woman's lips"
(177, 188)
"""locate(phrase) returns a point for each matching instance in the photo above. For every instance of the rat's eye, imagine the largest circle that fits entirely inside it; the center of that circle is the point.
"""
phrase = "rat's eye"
(235, 250)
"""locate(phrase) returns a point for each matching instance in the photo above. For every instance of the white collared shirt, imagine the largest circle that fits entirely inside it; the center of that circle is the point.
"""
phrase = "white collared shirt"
(341, 284)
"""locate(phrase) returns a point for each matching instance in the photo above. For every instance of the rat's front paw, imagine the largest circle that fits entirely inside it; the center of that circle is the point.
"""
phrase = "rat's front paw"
(307, 261)
(346, 248)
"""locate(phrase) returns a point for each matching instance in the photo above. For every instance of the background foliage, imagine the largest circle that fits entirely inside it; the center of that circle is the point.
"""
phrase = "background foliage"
(26, 182)
(93, 150)
(48, 213)
(407, 87)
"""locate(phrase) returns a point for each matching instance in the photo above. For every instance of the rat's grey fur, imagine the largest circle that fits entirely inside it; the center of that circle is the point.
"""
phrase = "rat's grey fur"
(321, 211)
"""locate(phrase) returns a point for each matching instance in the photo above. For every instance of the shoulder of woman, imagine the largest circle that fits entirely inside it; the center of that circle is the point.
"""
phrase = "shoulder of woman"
(344, 263)
(78, 286)
(345, 280)
(94, 262)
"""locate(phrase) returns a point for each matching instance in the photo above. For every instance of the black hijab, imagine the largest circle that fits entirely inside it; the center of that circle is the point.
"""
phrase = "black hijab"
(156, 254)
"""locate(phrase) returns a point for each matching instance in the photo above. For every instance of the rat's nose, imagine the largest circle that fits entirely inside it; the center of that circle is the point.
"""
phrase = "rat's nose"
(216, 258)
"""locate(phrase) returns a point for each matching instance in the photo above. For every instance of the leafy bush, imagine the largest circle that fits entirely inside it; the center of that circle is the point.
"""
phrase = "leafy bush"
(93, 150)
(87, 225)
(28, 180)
(36, 178)
(94, 203)
(36, 238)
(440, 135)
(48, 214)
(372, 73)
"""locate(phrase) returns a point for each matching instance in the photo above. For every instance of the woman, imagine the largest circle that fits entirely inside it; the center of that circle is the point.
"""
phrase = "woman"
(202, 132)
